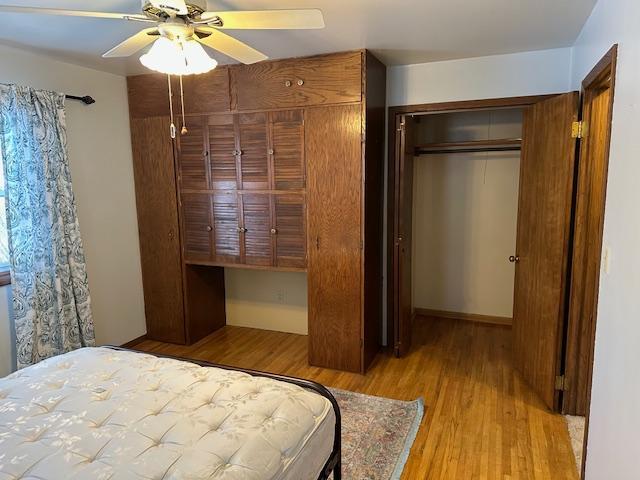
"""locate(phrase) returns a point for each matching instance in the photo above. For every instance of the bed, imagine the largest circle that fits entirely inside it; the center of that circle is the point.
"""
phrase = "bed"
(110, 413)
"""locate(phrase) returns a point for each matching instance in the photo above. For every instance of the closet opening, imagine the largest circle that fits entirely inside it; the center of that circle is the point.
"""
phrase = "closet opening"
(464, 209)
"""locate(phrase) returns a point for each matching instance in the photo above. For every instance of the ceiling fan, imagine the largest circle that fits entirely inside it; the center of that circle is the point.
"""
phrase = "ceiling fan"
(181, 27)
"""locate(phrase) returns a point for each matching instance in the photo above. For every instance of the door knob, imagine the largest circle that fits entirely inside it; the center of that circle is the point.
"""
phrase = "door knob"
(274, 231)
(514, 259)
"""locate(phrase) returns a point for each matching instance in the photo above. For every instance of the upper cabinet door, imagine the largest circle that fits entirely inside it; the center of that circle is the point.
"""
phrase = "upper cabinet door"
(287, 149)
(192, 156)
(207, 93)
(329, 79)
(253, 150)
(290, 232)
(256, 229)
(221, 140)
(300, 82)
(226, 228)
(265, 85)
(196, 221)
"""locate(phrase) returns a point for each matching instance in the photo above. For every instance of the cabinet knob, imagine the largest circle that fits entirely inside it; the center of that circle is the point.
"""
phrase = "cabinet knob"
(300, 82)
(274, 231)
(287, 83)
(237, 152)
(242, 229)
(209, 228)
(270, 151)
(514, 259)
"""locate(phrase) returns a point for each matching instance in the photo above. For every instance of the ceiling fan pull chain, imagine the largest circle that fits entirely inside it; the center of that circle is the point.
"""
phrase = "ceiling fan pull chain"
(172, 128)
(184, 130)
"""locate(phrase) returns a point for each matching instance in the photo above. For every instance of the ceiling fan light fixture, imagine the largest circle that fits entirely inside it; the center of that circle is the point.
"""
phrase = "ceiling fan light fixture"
(178, 57)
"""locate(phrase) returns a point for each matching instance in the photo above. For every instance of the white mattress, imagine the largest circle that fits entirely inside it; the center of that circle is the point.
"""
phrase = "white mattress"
(98, 413)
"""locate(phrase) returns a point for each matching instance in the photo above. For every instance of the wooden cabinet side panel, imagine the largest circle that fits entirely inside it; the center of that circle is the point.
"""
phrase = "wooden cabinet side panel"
(376, 84)
(334, 178)
(156, 202)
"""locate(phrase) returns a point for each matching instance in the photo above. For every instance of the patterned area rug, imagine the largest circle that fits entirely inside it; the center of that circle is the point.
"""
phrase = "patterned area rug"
(377, 434)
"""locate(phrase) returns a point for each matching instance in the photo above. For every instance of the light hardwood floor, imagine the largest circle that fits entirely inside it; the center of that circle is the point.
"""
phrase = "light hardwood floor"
(481, 421)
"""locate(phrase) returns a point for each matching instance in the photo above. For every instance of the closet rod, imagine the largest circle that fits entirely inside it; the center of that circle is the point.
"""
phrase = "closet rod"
(87, 100)
(468, 150)
(498, 145)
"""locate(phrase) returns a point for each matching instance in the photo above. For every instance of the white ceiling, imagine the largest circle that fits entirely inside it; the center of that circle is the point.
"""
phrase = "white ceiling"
(398, 31)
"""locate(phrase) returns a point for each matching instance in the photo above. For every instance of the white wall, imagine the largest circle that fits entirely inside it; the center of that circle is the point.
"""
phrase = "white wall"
(614, 444)
(266, 300)
(465, 208)
(527, 73)
(101, 167)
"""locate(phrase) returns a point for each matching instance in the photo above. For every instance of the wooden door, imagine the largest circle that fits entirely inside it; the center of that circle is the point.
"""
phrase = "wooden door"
(156, 202)
(287, 149)
(333, 146)
(329, 79)
(222, 152)
(197, 226)
(226, 227)
(403, 302)
(290, 232)
(265, 85)
(252, 132)
(542, 247)
(257, 249)
(192, 156)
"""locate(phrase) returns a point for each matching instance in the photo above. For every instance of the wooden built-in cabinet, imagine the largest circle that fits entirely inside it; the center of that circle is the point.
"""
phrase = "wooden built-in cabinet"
(281, 168)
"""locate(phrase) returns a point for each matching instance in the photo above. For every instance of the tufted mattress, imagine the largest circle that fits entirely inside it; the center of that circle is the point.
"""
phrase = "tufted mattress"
(98, 413)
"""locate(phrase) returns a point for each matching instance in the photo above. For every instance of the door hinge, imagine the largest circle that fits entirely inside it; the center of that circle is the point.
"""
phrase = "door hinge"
(560, 382)
(578, 130)
(401, 129)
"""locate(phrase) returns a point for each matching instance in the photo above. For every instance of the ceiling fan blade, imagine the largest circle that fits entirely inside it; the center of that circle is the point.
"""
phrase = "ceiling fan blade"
(71, 13)
(176, 7)
(134, 43)
(268, 19)
(230, 46)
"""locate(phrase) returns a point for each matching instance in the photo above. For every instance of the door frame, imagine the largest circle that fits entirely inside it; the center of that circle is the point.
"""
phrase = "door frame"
(604, 72)
(393, 164)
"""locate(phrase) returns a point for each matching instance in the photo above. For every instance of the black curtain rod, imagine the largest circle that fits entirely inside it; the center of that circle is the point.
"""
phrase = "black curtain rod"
(87, 100)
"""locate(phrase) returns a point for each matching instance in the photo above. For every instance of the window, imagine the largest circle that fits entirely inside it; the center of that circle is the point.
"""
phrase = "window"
(4, 240)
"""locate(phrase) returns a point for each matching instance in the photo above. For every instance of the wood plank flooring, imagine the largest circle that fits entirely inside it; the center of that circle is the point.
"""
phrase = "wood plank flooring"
(481, 421)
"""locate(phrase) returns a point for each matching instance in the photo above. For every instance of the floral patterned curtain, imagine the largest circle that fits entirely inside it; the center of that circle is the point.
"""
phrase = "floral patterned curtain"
(51, 302)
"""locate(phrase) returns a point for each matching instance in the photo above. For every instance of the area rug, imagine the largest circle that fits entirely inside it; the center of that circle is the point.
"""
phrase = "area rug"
(576, 434)
(377, 434)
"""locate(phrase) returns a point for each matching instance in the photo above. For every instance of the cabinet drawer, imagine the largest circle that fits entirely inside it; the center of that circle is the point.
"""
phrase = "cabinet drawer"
(322, 80)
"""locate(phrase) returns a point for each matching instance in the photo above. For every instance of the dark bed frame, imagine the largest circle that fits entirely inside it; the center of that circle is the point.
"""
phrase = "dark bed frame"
(334, 463)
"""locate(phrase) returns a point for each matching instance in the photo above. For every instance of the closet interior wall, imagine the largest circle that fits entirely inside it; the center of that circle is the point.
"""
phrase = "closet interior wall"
(465, 216)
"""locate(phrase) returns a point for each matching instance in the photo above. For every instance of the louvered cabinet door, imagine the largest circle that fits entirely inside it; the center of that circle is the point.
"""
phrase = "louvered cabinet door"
(192, 157)
(287, 149)
(226, 227)
(290, 230)
(197, 226)
(252, 131)
(256, 227)
(222, 150)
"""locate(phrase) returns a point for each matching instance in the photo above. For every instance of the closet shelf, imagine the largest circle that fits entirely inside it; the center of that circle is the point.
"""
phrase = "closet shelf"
(499, 145)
